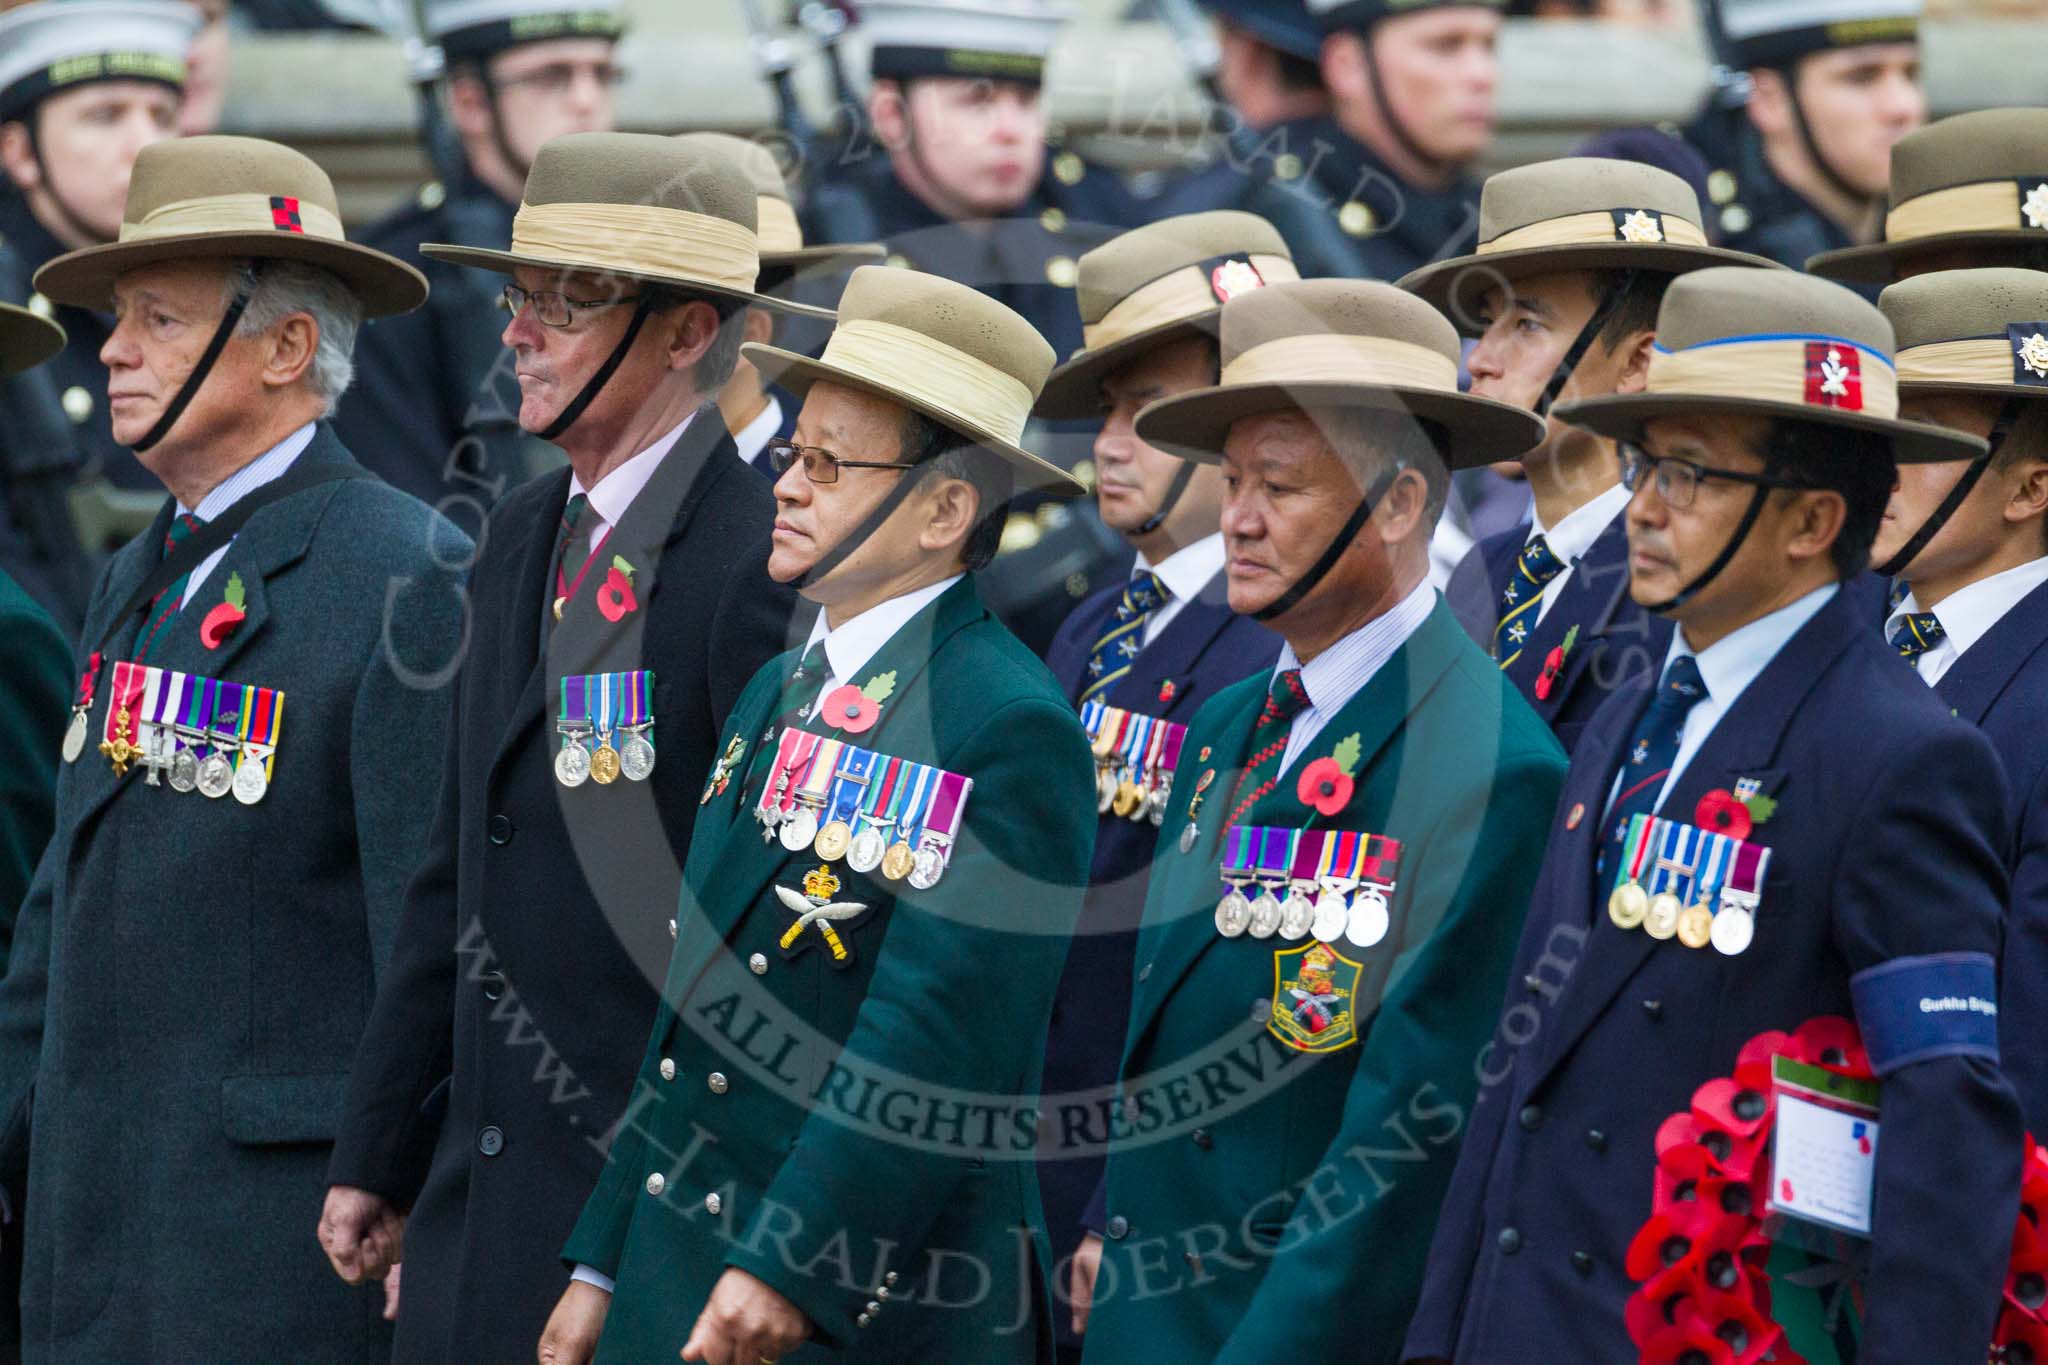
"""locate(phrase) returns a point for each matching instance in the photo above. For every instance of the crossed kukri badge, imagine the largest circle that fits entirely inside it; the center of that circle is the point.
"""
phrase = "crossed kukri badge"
(815, 906)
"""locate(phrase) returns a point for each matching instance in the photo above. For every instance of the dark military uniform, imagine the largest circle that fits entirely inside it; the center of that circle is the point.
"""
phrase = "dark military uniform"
(38, 548)
(435, 403)
(1752, 209)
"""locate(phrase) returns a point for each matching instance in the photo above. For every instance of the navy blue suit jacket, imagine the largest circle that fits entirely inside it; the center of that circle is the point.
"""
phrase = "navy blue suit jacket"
(2001, 685)
(1887, 844)
(1617, 641)
(1205, 648)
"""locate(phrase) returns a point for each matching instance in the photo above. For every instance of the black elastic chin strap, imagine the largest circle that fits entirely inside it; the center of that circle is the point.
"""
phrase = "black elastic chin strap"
(1938, 518)
(519, 165)
(1320, 570)
(1583, 342)
(76, 224)
(1721, 561)
(1827, 170)
(869, 524)
(1171, 500)
(1386, 107)
(190, 388)
(603, 376)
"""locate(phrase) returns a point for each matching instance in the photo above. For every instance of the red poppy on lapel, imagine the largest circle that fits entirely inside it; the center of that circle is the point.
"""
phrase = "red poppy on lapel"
(615, 596)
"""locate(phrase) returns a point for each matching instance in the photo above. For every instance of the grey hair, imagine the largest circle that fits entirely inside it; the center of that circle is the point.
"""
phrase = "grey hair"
(282, 288)
(1370, 441)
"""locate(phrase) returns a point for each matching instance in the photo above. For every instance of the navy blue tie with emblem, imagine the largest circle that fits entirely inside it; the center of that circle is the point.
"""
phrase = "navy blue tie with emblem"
(1522, 603)
(1118, 648)
(1916, 634)
(1654, 747)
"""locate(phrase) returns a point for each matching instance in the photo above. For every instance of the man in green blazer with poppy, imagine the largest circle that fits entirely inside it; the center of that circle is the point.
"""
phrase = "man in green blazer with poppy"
(831, 1146)
(1342, 874)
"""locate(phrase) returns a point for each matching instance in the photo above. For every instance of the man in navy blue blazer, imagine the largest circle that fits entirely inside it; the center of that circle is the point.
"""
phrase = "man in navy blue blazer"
(1157, 644)
(1968, 539)
(1760, 457)
(1574, 257)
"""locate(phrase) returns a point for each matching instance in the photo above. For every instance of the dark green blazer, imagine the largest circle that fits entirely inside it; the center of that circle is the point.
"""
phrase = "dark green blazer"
(35, 694)
(1271, 1204)
(836, 1130)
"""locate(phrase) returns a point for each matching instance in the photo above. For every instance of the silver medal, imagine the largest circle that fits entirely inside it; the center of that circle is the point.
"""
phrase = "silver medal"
(74, 736)
(1332, 914)
(1187, 837)
(251, 782)
(184, 772)
(865, 853)
(636, 759)
(1734, 928)
(1233, 914)
(926, 871)
(1105, 790)
(1265, 915)
(1297, 913)
(572, 764)
(216, 775)
(1369, 921)
(799, 829)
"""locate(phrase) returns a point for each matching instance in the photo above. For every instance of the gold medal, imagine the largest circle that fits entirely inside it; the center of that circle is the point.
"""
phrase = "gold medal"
(604, 764)
(898, 862)
(833, 841)
(1661, 922)
(1696, 926)
(1627, 906)
(560, 602)
(1128, 795)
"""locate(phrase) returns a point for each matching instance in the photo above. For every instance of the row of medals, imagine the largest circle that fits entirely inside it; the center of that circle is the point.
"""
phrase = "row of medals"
(864, 852)
(1361, 917)
(213, 776)
(1665, 915)
(575, 765)
(1118, 792)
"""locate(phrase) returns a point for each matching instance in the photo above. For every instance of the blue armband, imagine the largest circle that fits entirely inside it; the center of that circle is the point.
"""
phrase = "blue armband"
(1914, 1009)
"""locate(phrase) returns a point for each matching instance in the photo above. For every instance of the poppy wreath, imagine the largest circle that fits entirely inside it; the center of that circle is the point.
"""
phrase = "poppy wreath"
(1704, 1296)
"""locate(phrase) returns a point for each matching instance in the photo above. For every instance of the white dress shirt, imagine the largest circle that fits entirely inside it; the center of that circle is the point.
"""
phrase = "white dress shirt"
(615, 492)
(268, 467)
(1185, 573)
(1728, 667)
(754, 437)
(1969, 613)
(1341, 672)
(1573, 535)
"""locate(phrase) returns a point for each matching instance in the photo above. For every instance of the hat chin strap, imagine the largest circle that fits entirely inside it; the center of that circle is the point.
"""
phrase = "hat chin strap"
(582, 400)
(1583, 342)
(77, 225)
(1395, 126)
(514, 162)
(2008, 413)
(1821, 163)
(1307, 583)
(1181, 479)
(1722, 560)
(869, 524)
(207, 359)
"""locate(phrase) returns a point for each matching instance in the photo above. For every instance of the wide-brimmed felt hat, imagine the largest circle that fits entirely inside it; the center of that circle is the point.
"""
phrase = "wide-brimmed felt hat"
(638, 206)
(26, 339)
(1322, 344)
(231, 198)
(56, 45)
(471, 30)
(939, 348)
(783, 253)
(1156, 285)
(1574, 213)
(1771, 344)
(1976, 182)
(1977, 333)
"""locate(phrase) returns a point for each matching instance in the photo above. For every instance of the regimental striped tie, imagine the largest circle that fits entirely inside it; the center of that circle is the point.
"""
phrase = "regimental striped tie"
(1522, 603)
(1285, 700)
(1117, 650)
(171, 600)
(1654, 746)
(1917, 633)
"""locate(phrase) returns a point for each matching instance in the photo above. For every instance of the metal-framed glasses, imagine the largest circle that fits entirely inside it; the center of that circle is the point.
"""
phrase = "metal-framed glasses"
(553, 308)
(820, 465)
(1678, 481)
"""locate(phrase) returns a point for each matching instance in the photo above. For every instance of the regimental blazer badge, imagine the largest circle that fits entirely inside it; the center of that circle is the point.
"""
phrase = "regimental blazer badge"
(1315, 988)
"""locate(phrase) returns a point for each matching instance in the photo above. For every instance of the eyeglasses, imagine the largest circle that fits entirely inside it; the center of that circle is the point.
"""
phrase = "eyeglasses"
(552, 307)
(557, 79)
(1678, 481)
(820, 464)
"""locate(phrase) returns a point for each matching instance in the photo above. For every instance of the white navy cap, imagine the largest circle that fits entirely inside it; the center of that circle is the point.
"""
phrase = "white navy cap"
(467, 30)
(1003, 40)
(1780, 32)
(54, 45)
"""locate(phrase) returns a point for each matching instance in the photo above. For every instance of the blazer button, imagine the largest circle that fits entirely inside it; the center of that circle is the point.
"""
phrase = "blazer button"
(1510, 1241)
(757, 964)
(862, 1321)
(1596, 1139)
(713, 1205)
(1145, 972)
(491, 1141)
(1654, 1008)
(656, 1183)
(492, 984)
(501, 829)
(671, 928)
(716, 1080)
(1582, 1261)
(1203, 1140)
(1531, 1117)
(1119, 1228)
(668, 1068)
